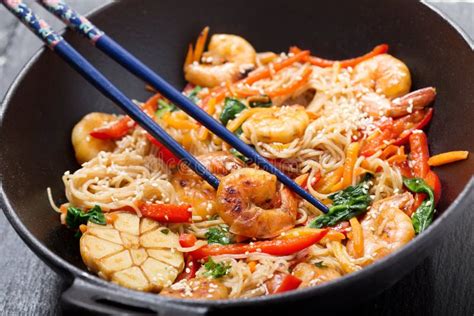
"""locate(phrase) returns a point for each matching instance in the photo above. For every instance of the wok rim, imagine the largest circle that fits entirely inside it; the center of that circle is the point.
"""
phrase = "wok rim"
(69, 272)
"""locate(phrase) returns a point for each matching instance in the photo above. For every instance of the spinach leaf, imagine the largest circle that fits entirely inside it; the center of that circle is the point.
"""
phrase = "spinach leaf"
(218, 235)
(347, 203)
(320, 264)
(232, 107)
(423, 216)
(76, 217)
(260, 101)
(193, 94)
(216, 270)
(164, 107)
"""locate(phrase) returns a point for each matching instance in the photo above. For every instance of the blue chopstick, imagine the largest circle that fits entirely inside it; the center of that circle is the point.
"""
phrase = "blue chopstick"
(91, 74)
(83, 26)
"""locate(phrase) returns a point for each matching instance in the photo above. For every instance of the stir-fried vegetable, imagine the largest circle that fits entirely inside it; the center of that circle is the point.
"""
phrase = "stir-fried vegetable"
(216, 270)
(193, 94)
(276, 247)
(218, 235)
(347, 203)
(167, 213)
(282, 282)
(260, 101)
(164, 107)
(423, 215)
(239, 155)
(232, 107)
(76, 217)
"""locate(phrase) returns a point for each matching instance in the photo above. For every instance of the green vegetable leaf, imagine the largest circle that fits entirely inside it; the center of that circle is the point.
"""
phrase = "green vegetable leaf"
(260, 101)
(218, 235)
(164, 107)
(320, 264)
(193, 94)
(423, 216)
(238, 154)
(76, 217)
(347, 203)
(216, 270)
(232, 107)
(165, 231)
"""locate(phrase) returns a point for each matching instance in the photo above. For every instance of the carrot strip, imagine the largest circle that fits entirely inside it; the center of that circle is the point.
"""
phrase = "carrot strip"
(357, 237)
(302, 179)
(351, 157)
(293, 87)
(321, 62)
(447, 157)
(266, 72)
(325, 184)
(201, 41)
(252, 266)
(189, 56)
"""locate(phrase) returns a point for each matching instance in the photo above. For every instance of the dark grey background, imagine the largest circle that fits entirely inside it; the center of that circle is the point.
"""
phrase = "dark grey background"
(442, 285)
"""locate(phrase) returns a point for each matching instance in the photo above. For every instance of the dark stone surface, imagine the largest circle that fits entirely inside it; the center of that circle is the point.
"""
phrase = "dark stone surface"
(442, 285)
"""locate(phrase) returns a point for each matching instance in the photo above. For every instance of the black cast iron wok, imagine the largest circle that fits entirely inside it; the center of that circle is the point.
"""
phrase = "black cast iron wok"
(48, 98)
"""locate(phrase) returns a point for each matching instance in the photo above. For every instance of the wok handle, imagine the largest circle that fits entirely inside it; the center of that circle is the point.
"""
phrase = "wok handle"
(84, 296)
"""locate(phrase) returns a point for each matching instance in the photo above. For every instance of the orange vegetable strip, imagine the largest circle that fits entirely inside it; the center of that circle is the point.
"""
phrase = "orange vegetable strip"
(189, 56)
(351, 157)
(321, 62)
(447, 157)
(167, 213)
(293, 87)
(357, 237)
(252, 266)
(201, 41)
(329, 181)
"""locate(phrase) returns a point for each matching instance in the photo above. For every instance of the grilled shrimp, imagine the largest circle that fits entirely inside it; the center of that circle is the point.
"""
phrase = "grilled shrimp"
(249, 202)
(386, 227)
(133, 252)
(383, 74)
(227, 57)
(311, 275)
(377, 105)
(193, 190)
(85, 146)
(280, 125)
(197, 288)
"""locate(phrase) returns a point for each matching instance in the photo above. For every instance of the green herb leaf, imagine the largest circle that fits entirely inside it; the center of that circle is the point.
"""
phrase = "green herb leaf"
(76, 217)
(260, 101)
(165, 231)
(216, 270)
(423, 216)
(347, 203)
(218, 235)
(232, 107)
(238, 154)
(164, 107)
(193, 94)
(320, 264)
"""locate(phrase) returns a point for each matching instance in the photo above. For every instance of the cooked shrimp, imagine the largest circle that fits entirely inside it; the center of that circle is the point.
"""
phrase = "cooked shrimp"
(386, 227)
(197, 288)
(193, 190)
(133, 252)
(85, 146)
(227, 57)
(249, 202)
(377, 105)
(311, 275)
(383, 74)
(280, 125)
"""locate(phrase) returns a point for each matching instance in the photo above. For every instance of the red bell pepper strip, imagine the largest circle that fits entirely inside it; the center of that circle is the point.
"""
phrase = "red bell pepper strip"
(282, 282)
(164, 153)
(396, 132)
(276, 247)
(168, 213)
(433, 181)
(321, 62)
(419, 154)
(187, 240)
(190, 269)
(121, 127)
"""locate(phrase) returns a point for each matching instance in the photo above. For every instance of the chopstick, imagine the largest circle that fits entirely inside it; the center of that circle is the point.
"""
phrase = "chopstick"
(114, 50)
(91, 74)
